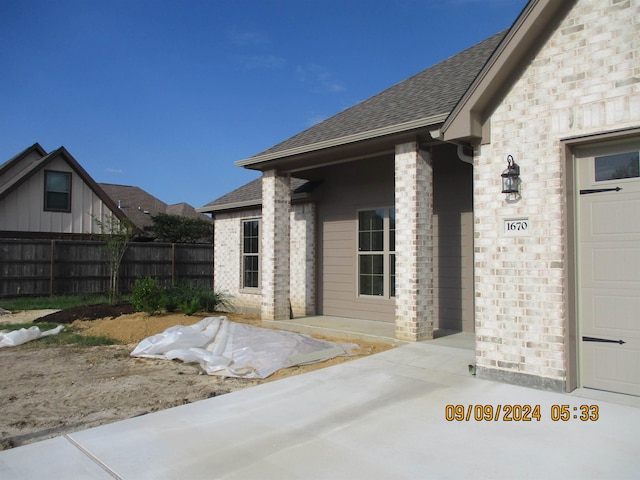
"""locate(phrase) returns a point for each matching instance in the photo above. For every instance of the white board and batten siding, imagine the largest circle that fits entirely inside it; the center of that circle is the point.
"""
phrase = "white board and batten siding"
(23, 210)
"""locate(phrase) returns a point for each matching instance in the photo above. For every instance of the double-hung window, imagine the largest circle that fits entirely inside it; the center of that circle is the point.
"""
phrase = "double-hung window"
(57, 191)
(376, 252)
(250, 253)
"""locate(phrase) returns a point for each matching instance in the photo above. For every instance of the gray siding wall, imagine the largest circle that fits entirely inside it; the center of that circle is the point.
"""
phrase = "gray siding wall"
(347, 188)
(369, 184)
(453, 245)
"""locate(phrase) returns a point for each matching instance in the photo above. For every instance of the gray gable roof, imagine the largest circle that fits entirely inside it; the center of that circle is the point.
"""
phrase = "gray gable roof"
(17, 167)
(250, 195)
(428, 94)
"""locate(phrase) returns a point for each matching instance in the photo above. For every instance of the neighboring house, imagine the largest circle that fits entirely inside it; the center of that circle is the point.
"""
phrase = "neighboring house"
(139, 205)
(50, 195)
(409, 223)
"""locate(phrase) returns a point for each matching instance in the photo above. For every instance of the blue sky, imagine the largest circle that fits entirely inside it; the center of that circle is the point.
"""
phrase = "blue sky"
(167, 95)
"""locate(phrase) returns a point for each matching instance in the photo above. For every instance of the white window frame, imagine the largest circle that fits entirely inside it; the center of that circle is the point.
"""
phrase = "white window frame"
(387, 253)
(244, 255)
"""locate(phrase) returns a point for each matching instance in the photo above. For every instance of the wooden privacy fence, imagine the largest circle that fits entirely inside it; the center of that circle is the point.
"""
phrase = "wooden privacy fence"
(68, 267)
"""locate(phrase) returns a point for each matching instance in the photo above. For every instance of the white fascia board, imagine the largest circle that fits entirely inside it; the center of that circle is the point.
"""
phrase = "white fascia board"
(335, 142)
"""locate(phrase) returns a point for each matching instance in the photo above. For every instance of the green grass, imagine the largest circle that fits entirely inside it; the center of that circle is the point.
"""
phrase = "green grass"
(57, 302)
(68, 336)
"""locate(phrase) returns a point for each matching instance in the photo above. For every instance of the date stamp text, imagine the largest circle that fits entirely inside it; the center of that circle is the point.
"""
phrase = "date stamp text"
(520, 413)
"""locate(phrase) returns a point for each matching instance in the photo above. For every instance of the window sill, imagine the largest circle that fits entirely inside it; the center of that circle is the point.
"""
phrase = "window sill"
(250, 291)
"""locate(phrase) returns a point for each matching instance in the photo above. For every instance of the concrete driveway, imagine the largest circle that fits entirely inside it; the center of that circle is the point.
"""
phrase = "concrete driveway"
(380, 417)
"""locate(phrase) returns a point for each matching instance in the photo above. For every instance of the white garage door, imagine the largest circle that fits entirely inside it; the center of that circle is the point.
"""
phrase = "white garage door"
(609, 267)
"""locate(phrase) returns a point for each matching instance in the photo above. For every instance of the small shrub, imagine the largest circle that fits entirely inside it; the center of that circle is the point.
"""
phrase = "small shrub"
(170, 300)
(210, 300)
(147, 295)
(190, 307)
(191, 298)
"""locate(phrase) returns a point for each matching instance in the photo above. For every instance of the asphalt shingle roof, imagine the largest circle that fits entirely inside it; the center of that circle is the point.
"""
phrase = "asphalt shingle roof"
(251, 194)
(434, 91)
(431, 92)
(139, 205)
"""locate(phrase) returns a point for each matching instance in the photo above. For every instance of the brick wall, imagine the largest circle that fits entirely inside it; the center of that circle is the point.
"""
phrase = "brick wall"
(227, 264)
(585, 80)
(414, 243)
(303, 256)
(227, 259)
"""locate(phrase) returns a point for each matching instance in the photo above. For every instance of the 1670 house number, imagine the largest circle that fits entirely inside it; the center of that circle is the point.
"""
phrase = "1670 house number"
(518, 226)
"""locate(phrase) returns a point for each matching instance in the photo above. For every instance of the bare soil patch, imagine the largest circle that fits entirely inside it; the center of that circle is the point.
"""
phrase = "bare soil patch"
(47, 391)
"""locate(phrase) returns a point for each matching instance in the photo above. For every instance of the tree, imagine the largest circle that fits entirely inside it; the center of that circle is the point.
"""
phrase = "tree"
(116, 234)
(178, 229)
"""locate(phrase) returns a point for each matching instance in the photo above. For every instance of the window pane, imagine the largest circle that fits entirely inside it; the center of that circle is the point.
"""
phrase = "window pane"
(377, 265)
(364, 242)
(377, 241)
(58, 182)
(371, 275)
(371, 220)
(392, 275)
(250, 245)
(57, 201)
(371, 230)
(250, 271)
(392, 230)
(614, 167)
(250, 242)
(250, 250)
(57, 191)
(365, 285)
(377, 285)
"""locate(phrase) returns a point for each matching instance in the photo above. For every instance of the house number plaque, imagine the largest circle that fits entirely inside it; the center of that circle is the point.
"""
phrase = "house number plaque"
(516, 226)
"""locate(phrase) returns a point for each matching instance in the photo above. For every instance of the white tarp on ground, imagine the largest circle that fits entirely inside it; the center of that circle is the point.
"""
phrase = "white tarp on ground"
(24, 335)
(231, 349)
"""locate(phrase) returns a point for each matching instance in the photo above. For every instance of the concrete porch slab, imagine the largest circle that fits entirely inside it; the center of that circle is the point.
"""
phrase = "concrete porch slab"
(350, 329)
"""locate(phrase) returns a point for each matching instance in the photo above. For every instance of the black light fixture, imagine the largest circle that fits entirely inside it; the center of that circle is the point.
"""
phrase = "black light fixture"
(511, 177)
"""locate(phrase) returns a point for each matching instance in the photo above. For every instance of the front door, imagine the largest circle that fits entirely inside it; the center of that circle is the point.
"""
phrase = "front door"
(609, 266)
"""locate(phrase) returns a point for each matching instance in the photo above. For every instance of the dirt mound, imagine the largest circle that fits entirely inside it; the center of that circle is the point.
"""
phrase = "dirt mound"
(88, 312)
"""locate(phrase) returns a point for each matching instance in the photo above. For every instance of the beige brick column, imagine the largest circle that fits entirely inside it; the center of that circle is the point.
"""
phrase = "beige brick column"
(276, 206)
(414, 243)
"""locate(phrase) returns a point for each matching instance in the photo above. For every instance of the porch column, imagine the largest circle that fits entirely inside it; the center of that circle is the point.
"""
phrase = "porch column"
(276, 205)
(414, 243)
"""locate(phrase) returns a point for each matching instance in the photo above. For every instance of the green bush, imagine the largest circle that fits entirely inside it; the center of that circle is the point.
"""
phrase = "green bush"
(147, 295)
(191, 299)
(189, 307)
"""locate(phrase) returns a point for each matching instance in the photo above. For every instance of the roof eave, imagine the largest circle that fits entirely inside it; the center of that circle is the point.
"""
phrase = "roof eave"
(254, 162)
(230, 206)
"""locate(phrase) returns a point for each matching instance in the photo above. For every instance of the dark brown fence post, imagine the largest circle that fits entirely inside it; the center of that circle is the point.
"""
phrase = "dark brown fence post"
(51, 264)
(173, 264)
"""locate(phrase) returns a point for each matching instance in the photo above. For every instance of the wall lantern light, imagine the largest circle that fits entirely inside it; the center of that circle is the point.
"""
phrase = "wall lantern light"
(511, 177)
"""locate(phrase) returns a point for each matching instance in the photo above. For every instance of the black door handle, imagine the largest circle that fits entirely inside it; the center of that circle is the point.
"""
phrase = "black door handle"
(601, 340)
